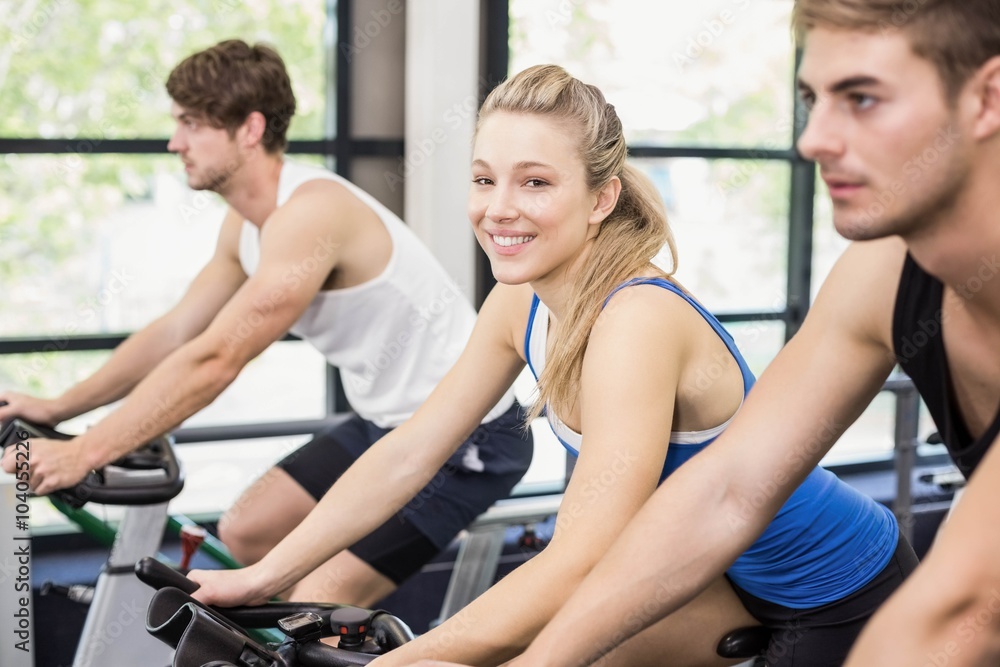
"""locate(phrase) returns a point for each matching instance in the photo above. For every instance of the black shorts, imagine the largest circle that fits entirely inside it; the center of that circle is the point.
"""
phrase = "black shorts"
(483, 470)
(823, 636)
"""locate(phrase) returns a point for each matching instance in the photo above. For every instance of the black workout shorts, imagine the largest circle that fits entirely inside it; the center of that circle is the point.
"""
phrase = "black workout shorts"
(483, 470)
(823, 636)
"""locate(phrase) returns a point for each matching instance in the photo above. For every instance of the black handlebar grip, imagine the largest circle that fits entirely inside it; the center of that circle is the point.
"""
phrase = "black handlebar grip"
(157, 575)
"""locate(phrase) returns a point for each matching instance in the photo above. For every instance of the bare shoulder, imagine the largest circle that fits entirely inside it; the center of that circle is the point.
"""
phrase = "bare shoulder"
(320, 216)
(505, 312)
(328, 204)
(646, 310)
(320, 193)
(859, 295)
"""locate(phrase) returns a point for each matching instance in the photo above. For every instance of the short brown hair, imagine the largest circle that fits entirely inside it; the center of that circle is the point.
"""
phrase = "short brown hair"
(956, 36)
(228, 81)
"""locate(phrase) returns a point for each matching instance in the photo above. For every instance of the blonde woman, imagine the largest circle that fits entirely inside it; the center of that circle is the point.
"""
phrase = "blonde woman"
(618, 348)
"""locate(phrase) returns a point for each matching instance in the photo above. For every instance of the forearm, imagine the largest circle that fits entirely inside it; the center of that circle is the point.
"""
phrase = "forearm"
(654, 568)
(183, 384)
(376, 486)
(499, 624)
(927, 623)
(131, 361)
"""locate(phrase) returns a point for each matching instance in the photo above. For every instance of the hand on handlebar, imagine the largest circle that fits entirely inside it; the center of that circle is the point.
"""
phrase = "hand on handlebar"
(229, 588)
(38, 410)
(52, 464)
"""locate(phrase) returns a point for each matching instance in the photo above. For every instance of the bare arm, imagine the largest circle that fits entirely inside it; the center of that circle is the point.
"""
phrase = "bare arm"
(402, 462)
(948, 611)
(698, 522)
(143, 350)
(260, 312)
(626, 406)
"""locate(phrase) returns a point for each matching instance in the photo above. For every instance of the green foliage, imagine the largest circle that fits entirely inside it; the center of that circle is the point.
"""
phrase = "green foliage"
(85, 71)
(96, 69)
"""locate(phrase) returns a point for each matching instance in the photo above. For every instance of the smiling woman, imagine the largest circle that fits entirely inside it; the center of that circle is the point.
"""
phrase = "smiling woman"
(635, 378)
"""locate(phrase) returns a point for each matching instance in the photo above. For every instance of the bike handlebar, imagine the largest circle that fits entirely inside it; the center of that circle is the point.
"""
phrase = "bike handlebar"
(147, 476)
(201, 633)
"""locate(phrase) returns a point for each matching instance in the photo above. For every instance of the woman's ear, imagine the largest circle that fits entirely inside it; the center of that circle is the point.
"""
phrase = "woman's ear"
(607, 199)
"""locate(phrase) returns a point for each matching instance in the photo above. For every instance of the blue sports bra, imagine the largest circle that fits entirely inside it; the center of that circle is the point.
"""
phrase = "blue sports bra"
(683, 444)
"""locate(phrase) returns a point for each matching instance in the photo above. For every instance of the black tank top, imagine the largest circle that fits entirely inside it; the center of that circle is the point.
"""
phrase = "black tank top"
(919, 349)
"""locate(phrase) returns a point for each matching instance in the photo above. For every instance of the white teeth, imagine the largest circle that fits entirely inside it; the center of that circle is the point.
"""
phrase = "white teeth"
(508, 241)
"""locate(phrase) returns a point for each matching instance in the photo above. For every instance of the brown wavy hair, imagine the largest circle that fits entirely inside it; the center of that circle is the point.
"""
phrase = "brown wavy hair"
(228, 81)
(956, 36)
(627, 240)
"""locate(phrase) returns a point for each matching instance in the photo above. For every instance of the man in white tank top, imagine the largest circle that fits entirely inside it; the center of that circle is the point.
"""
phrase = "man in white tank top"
(305, 251)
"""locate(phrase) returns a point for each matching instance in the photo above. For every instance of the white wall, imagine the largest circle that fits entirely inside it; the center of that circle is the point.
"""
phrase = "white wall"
(442, 88)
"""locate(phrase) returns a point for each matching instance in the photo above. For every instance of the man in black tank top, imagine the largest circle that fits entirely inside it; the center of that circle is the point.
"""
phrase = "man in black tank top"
(922, 352)
(904, 124)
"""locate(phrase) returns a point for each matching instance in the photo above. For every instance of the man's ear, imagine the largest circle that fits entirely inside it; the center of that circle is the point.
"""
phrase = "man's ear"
(607, 199)
(986, 87)
(252, 131)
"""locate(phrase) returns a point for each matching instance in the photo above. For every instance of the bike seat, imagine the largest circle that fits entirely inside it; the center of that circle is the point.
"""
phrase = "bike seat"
(748, 642)
(147, 476)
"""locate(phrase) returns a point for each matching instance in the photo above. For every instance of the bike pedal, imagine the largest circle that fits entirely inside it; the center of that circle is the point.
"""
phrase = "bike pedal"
(76, 592)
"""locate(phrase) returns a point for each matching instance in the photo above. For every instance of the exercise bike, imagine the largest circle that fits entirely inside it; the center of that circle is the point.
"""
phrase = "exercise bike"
(205, 636)
(143, 481)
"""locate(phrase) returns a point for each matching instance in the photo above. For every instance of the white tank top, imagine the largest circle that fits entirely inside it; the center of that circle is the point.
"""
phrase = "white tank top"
(394, 337)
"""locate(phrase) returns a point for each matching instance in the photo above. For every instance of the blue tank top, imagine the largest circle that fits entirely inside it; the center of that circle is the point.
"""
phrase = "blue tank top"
(826, 542)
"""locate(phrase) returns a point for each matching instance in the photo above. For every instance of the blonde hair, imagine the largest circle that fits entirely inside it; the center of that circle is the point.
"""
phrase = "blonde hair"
(956, 36)
(627, 240)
